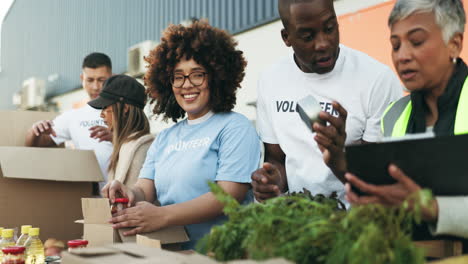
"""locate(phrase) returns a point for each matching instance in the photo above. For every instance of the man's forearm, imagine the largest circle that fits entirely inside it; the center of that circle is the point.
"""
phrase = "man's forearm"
(340, 172)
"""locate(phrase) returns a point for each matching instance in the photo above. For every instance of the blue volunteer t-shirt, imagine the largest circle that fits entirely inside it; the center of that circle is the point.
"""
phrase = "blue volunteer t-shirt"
(184, 157)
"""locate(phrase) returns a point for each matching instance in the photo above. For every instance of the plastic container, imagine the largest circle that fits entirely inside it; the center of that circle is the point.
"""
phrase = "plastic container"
(24, 235)
(76, 244)
(34, 248)
(13, 255)
(7, 239)
(119, 205)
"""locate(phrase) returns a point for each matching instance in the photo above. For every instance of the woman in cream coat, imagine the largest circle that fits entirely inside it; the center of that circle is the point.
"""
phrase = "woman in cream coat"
(122, 101)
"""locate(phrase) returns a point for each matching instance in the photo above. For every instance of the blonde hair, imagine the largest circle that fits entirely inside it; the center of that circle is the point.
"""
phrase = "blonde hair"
(126, 126)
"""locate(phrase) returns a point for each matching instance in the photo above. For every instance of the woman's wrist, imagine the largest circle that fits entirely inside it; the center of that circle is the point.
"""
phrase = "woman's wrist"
(166, 215)
(138, 194)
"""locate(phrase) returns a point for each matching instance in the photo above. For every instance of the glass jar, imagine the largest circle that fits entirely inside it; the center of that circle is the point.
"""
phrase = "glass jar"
(76, 244)
(13, 255)
(119, 205)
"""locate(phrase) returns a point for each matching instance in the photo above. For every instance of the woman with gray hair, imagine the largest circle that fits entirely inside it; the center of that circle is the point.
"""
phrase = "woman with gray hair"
(426, 38)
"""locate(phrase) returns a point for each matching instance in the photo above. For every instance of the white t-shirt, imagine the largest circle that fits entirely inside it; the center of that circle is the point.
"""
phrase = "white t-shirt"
(362, 85)
(74, 125)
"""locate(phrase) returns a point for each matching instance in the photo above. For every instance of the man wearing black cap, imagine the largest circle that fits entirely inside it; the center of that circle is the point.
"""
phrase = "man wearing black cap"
(76, 125)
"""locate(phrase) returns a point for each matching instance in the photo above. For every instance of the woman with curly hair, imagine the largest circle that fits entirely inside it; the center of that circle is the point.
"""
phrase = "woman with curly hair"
(195, 71)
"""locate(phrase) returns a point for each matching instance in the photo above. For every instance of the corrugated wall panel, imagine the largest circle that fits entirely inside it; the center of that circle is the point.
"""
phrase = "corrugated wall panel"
(42, 38)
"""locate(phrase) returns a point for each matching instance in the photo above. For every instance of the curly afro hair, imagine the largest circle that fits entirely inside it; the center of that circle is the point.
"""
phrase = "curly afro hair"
(210, 47)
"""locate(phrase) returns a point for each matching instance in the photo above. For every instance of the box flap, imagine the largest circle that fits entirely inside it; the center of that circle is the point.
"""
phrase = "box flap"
(50, 164)
(95, 251)
(126, 239)
(100, 256)
(96, 210)
(18, 123)
(147, 242)
(146, 252)
(99, 235)
(168, 235)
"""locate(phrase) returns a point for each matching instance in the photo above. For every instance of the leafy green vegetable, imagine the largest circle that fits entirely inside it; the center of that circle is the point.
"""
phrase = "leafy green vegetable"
(315, 229)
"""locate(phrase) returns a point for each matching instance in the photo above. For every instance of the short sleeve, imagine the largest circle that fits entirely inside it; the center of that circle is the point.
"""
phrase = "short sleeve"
(264, 122)
(62, 127)
(386, 89)
(148, 170)
(239, 152)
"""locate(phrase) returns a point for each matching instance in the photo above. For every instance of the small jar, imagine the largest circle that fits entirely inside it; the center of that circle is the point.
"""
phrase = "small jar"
(84, 243)
(119, 205)
(13, 255)
(73, 245)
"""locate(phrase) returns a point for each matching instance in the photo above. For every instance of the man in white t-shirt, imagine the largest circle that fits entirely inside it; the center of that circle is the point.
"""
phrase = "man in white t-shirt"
(83, 126)
(295, 157)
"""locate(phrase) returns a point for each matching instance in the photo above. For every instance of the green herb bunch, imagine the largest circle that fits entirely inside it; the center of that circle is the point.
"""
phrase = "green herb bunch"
(313, 229)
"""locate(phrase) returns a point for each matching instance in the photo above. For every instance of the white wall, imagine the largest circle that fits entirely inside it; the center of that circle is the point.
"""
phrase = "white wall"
(65, 101)
(262, 46)
(4, 8)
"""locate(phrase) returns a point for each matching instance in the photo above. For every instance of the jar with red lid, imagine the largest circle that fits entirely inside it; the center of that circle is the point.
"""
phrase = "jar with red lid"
(13, 255)
(119, 204)
(76, 244)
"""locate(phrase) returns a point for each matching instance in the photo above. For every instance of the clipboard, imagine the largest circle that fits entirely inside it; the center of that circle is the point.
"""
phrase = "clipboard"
(439, 163)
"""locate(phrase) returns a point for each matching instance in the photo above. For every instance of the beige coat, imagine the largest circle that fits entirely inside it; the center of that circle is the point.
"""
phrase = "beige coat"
(132, 155)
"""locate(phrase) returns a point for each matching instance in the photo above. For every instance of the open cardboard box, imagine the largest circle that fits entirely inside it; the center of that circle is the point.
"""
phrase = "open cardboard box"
(98, 231)
(42, 186)
(137, 254)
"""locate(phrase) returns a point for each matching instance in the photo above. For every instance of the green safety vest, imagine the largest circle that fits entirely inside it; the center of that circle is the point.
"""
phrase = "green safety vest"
(395, 119)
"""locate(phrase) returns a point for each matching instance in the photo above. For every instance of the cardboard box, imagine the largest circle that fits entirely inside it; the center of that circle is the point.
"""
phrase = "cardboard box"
(98, 231)
(42, 187)
(136, 254)
(18, 123)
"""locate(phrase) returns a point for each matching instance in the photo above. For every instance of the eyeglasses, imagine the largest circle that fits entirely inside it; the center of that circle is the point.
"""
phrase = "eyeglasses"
(195, 78)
